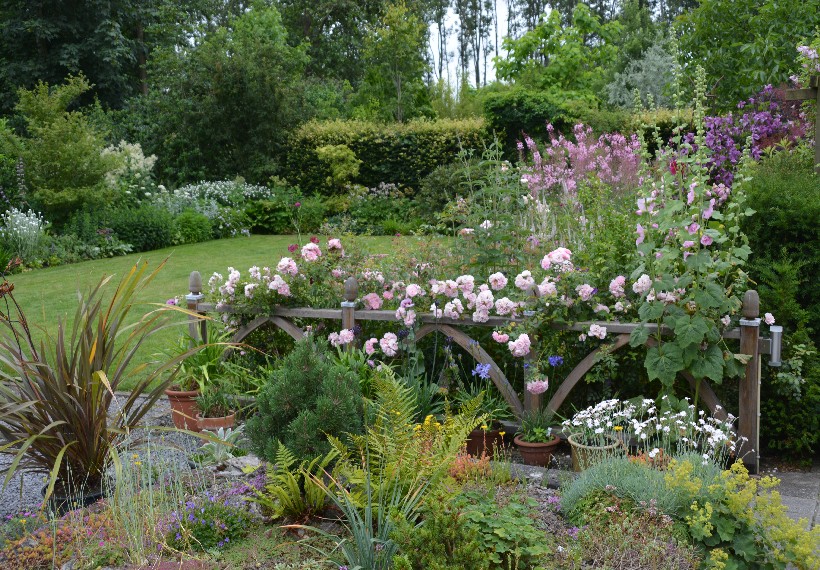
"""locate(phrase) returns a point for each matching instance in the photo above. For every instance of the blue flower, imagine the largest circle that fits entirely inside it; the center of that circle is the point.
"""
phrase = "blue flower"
(556, 361)
(482, 371)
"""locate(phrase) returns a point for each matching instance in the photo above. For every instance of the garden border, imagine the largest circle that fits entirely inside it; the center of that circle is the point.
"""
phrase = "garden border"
(748, 334)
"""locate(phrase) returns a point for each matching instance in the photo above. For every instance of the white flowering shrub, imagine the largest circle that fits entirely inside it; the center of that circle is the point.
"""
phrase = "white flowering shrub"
(133, 175)
(224, 192)
(22, 232)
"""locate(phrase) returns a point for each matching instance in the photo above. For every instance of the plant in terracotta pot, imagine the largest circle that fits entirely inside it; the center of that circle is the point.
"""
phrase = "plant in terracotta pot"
(489, 435)
(195, 372)
(592, 432)
(535, 440)
(216, 407)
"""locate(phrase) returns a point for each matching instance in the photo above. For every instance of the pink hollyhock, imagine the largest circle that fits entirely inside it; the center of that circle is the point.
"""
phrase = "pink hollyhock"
(706, 240)
(693, 228)
(616, 286)
(538, 386)
(641, 234)
(372, 302)
(314, 240)
(500, 337)
(390, 344)
(293, 247)
(688, 244)
(643, 284)
(585, 291)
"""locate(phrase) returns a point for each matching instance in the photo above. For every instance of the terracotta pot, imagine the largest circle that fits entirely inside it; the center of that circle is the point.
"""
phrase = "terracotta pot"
(183, 408)
(486, 442)
(585, 456)
(537, 453)
(213, 424)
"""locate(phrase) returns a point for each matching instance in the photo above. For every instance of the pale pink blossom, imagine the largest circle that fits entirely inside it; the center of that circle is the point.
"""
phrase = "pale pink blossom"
(538, 386)
(249, 289)
(500, 337)
(372, 302)
(370, 346)
(450, 288)
(311, 252)
(414, 290)
(616, 286)
(481, 316)
(725, 320)
(466, 283)
(505, 306)
(337, 273)
(390, 344)
(547, 288)
(255, 273)
(599, 308)
(768, 318)
(524, 280)
(643, 284)
(619, 307)
(335, 244)
(585, 291)
(484, 301)
(597, 331)
(498, 281)
(520, 346)
(287, 265)
(437, 313)
(486, 225)
(706, 240)
(453, 309)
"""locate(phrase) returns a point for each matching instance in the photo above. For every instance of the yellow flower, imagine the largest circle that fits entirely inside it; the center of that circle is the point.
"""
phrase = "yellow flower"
(483, 426)
(502, 433)
(22, 521)
(618, 428)
(135, 456)
(137, 463)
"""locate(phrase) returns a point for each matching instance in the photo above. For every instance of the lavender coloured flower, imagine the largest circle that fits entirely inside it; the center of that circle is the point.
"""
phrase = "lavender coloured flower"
(556, 361)
(482, 371)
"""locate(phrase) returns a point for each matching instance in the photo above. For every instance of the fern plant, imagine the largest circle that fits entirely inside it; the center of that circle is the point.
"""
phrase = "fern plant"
(291, 489)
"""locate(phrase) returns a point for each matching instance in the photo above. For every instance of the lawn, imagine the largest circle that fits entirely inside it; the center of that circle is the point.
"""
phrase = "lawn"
(49, 295)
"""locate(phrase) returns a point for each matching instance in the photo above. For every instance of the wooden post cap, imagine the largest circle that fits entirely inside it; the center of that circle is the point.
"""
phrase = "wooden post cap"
(351, 289)
(195, 283)
(751, 304)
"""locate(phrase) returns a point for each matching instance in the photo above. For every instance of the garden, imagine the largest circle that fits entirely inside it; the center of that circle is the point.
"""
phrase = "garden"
(254, 314)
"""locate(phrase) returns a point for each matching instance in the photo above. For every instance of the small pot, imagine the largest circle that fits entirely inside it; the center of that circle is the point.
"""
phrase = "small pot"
(183, 408)
(481, 442)
(213, 424)
(537, 453)
(585, 456)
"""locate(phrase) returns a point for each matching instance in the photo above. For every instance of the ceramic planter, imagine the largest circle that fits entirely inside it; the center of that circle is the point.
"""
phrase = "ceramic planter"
(537, 453)
(482, 442)
(213, 424)
(585, 456)
(183, 408)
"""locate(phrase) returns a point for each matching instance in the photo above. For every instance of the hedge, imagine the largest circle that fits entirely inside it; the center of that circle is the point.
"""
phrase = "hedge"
(402, 153)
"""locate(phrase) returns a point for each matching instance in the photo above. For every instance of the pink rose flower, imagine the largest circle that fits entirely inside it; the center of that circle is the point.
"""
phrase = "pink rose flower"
(500, 337)
(372, 302)
(390, 344)
(538, 386)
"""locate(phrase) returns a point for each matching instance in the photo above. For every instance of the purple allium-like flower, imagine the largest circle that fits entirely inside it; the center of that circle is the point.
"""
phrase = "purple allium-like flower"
(482, 371)
(556, 361)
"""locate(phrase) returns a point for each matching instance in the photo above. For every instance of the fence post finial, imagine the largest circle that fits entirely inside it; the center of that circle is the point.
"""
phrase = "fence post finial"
(195, 283)
(351, 289)
(751, 304)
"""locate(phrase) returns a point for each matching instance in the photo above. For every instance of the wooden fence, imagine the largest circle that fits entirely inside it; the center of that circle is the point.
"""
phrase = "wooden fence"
(748, 334)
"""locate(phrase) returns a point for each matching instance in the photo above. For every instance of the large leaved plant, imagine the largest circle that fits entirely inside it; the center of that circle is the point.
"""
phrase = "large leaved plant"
(58, 410)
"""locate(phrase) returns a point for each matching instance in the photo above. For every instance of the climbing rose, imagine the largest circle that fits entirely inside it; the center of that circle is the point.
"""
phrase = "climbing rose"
(520, 346)
(538, 386)
(524, 281)
(597, 331)
(500, 337)
(372, 301)
(390, 344)
(643, 284)
(616, 286)
(768, 318)
(498, 281)
(370, 346)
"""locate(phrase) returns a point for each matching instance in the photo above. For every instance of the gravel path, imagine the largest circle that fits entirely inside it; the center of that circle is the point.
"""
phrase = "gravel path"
(24, 491)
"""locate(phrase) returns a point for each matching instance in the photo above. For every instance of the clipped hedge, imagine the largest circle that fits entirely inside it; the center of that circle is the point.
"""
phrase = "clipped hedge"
(402, 153)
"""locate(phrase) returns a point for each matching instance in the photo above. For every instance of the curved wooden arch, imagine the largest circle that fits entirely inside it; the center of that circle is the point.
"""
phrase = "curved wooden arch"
(706, 393)
(471, 346)
(280, 322)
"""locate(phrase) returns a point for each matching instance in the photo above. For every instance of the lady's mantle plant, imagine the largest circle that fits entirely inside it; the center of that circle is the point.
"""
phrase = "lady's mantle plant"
(690, 278)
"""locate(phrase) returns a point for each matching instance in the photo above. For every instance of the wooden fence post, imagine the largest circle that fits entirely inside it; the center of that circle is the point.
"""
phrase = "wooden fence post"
(532, 402)
(349, 306)
(749, 398)
(193, 298)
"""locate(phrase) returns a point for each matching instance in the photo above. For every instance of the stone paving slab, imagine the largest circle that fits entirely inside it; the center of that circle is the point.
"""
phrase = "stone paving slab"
(800, 493)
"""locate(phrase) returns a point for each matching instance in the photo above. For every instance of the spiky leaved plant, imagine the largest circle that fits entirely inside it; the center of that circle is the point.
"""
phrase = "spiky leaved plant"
(55, 395)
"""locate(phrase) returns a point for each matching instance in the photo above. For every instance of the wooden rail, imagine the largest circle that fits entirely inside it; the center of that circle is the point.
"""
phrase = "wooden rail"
(748, 334)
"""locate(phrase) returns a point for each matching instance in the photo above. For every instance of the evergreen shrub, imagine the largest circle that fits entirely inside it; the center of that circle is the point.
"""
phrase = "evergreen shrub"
(146, 228)
(307, 397)
(401, 153)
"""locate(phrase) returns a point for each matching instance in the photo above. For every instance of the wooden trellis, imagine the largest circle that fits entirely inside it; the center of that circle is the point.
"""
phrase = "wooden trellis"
(748, 334)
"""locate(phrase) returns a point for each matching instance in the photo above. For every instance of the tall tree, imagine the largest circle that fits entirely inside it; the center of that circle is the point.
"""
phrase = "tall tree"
(109, 41)
(394, 56)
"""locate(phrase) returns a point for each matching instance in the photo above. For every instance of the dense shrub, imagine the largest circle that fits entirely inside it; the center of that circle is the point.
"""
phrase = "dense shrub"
(399, 153)
(191, 227)
(307, 398)
(146, 228)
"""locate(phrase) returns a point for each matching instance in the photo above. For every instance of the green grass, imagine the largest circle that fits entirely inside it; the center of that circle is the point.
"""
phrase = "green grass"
(47, 295)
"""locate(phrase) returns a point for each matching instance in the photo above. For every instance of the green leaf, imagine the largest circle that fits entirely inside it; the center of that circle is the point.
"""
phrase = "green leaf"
(690, 330)
(725, 527)
(708, 364)
(651, 311)
(638, 336)
(664, 362)
(744, 547)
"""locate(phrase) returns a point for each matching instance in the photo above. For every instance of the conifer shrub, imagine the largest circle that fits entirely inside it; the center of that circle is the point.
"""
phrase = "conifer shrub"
(307, 397)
